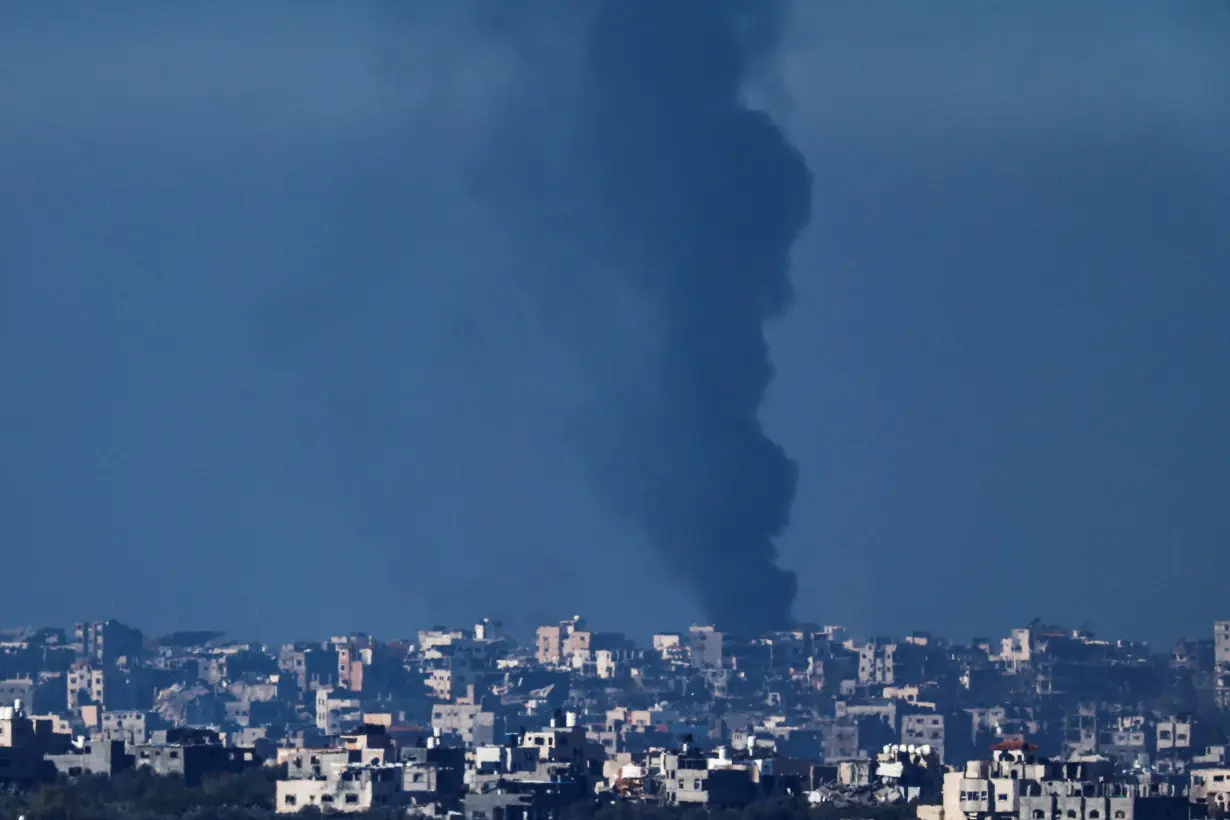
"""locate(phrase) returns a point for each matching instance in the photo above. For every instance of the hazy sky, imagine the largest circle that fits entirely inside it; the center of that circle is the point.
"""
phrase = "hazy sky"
(1006, 376)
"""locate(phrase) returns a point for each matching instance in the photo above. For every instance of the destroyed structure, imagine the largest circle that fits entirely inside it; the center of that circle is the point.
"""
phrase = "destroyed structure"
(1044, 724)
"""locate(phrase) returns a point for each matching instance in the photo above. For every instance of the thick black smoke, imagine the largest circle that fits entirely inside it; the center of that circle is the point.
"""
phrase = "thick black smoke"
(624, 183)
(691, 202)
(706, 197)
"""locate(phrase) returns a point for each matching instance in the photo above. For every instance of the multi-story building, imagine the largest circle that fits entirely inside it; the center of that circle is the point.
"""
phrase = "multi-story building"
(876, 663)
(1017, 785)
(551, 642)
(704, 719)
(1221, 643)
(924, 729)
(104, 643)
(705, 644)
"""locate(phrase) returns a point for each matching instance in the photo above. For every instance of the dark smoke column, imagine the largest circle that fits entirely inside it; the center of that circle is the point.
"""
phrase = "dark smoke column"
(700, 199)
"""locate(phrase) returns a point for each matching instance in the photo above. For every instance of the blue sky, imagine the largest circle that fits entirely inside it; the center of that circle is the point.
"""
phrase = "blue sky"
(1004, 376)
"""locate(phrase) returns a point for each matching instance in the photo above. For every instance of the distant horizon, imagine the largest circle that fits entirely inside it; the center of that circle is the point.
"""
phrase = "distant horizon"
(228, 636)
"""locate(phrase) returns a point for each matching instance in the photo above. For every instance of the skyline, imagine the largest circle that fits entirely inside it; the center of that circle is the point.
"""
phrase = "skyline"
(1004, 374)
(1087, 629)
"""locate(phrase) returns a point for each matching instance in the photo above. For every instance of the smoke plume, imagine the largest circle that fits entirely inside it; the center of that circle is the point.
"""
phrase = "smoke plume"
(671, 236)
(625, 186)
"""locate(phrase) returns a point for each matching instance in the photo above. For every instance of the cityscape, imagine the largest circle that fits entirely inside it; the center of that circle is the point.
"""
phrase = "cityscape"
(1046, 723)
(700, 375)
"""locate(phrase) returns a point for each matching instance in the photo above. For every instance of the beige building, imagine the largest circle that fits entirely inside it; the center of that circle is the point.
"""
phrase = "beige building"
(1014, 785)
(1174, 734)
(16, 730)
(551, 641)
(1211, 788)
(345, 789)
(1017, 649)
(336, 709)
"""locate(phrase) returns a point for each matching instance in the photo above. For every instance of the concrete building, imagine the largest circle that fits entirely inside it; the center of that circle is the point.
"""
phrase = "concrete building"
(704, 644)
(876, 663)
(109, 687)
(429, 639)
(131, 727)
(192, 761)
(337, 710)
(104, 643)
(19, 690)
(344, 789)
(16, 729)
(839, 740)
(1173, 736)
(310, 667)
(1221, 643)
(469, 722)
(23, 744)
(1018, 648)
(98, 757)
(551, 641)
(924, 729)
(1210, 790)
(1016, 785)
(702, 719)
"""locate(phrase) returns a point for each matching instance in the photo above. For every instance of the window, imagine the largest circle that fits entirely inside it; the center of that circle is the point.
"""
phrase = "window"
(1094, 814)
(1120, 814)
(1039, 814)
(1071, 812)
(352, 798)
(1002, 797)
(290, 800)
